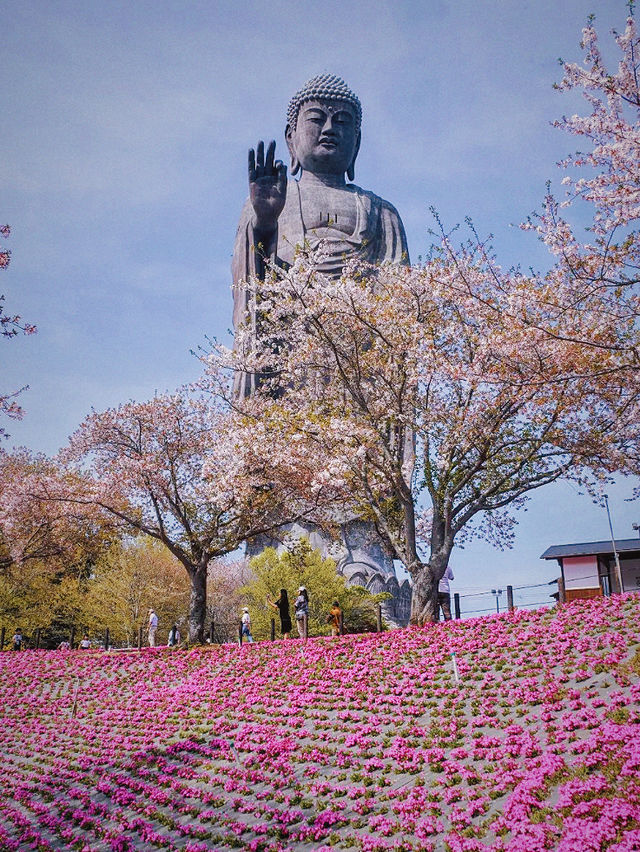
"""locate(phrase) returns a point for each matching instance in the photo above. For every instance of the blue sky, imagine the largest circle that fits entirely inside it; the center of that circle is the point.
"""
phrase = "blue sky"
(123, 172)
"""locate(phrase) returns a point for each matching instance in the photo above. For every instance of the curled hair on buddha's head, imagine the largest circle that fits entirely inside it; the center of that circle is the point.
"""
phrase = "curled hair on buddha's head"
(324, 87)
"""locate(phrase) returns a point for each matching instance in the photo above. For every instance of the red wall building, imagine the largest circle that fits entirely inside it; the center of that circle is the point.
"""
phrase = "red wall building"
(588, 570)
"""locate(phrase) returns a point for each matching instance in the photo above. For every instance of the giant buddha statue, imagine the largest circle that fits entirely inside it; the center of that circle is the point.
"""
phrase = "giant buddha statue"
(323, 137)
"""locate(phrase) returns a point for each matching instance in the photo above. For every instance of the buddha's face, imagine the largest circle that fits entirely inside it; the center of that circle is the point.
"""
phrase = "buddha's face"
(325, 140)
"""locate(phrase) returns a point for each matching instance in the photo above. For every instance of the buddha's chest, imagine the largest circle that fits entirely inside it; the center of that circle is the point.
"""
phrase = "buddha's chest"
(327, 207)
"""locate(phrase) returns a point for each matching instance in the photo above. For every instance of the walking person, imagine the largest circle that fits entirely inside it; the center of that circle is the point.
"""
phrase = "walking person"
(301, 607)
(246, 625)
(282, 605)
(17, 640)
(335, 614)
(444, 595)
(153, 626)
(174, 636)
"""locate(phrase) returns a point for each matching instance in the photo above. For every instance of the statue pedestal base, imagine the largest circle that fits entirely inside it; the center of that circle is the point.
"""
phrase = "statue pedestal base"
(360, 556)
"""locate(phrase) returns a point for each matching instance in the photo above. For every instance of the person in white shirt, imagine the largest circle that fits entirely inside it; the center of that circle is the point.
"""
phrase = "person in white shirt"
(301, 607)
(246, 625)
(153, 626)
(444, 597)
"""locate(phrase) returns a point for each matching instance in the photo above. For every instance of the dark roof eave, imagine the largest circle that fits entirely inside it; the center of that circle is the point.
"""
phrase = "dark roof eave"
(592, 548)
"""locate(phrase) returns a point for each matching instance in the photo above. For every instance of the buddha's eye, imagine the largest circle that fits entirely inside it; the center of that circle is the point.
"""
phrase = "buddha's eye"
(316, 117)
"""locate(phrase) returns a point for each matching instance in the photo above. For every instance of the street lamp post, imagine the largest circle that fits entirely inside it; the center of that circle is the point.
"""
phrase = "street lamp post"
(497, 593)
(613, 542)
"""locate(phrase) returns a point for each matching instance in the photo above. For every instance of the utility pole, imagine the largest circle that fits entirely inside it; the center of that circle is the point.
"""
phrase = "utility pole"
(613, 542)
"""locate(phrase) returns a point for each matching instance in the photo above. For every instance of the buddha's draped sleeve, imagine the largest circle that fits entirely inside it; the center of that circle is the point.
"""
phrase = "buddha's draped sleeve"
(392, 243)
(246, 264)
(243, 266)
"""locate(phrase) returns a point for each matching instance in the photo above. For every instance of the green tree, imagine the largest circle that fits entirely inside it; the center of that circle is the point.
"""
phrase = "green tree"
(301, 565)
(134, 576)
(33, 596)
(47, 553)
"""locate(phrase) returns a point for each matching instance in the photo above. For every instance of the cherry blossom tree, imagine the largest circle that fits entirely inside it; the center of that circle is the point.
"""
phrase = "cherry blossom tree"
(599, 268)
(457, 386)
(173, 469)
(10, 326)
(48, 550)
(34, 524)
(225, 579)
(433, 382)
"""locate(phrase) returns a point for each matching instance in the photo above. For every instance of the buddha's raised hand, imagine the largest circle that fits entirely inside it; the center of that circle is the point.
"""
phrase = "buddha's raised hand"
(267, 187)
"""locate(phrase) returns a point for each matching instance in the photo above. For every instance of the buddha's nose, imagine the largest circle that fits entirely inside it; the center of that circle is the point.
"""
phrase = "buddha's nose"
(329, 128)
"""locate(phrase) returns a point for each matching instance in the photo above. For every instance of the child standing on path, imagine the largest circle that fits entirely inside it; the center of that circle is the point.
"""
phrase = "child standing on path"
(334, 618)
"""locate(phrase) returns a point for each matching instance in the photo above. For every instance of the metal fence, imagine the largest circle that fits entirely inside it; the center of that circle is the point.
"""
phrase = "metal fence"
(219, 631)
(499, 599)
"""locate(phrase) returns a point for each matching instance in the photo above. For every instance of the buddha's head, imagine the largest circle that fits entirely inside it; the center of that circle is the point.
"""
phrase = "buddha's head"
(323, 127)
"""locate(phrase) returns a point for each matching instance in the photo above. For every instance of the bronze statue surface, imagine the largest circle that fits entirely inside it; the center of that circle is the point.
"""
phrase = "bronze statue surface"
(323, 138)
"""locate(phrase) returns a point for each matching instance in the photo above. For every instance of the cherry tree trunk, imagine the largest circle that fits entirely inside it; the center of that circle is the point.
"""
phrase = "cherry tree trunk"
(197, 602)
(424, 598)
(426, 579)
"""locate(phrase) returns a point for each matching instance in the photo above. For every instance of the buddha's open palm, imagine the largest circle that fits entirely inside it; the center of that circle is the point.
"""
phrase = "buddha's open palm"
(267, 187)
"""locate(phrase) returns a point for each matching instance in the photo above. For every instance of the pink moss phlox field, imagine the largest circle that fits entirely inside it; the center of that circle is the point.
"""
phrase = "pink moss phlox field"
(364, 742)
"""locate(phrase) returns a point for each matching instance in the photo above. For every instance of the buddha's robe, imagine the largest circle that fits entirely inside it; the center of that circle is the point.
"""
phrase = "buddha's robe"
(378, 236)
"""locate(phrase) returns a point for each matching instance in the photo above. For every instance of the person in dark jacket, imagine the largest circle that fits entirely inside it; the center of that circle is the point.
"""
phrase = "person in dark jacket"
(282, 605)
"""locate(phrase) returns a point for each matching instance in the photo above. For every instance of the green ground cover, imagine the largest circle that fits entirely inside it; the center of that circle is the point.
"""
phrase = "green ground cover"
(371, 742)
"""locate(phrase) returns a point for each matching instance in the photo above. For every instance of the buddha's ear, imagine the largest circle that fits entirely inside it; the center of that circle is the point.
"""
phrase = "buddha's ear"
(288, 135)
(351, 171)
